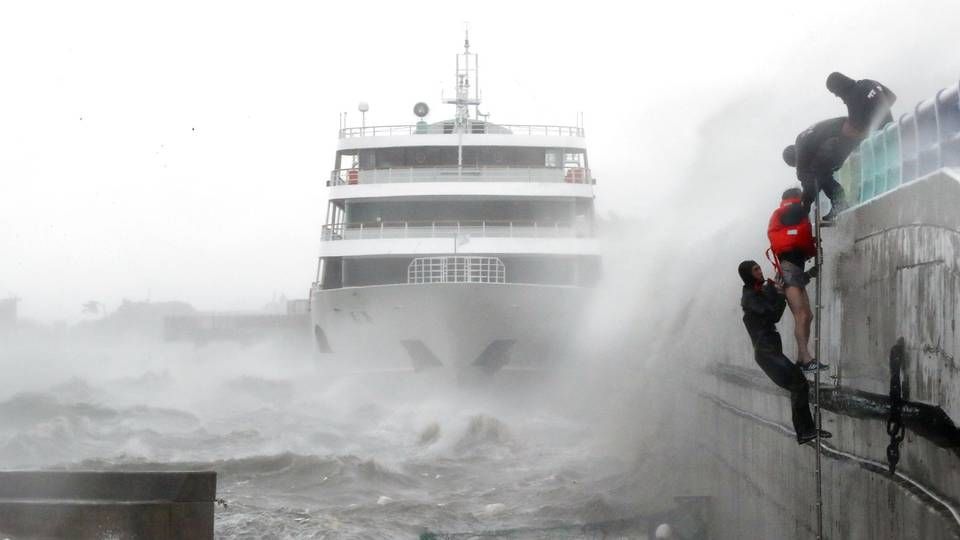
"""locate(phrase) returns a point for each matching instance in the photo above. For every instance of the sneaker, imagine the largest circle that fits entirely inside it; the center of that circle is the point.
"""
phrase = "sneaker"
(812, 436)
(814, 365)
(835, 208)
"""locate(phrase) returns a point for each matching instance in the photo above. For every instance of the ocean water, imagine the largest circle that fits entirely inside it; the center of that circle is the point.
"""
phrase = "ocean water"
(306, 447)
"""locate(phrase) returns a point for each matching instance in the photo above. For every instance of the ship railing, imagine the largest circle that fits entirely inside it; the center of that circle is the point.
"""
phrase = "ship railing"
(921, 141)
(478, 128)
(570, 175)
(456, 269)
(450, 229)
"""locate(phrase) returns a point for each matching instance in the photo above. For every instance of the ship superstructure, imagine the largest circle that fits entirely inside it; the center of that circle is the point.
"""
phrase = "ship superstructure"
(457, 242)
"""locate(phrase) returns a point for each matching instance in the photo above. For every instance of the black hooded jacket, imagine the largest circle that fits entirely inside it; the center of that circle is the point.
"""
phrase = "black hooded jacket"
(868, 103)
(762, 308)
(822, 148)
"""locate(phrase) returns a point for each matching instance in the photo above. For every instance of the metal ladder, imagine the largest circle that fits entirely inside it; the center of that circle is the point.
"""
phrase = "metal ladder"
(818, 264)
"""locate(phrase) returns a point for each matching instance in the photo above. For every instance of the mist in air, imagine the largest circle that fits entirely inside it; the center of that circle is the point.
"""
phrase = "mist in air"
(172, 161)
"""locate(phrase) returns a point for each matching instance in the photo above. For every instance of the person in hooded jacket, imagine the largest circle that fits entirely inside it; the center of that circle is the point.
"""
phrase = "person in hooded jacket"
(868, 103)
(820, 150)
(763, 304)
(818, 153)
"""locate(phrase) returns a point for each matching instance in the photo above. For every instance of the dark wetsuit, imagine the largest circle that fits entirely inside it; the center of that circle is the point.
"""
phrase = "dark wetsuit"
(762, 310)
(821, 150)
(868, 104)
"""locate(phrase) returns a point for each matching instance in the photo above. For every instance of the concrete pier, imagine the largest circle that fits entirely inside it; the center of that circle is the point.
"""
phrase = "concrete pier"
(892, 275)
(107, 505)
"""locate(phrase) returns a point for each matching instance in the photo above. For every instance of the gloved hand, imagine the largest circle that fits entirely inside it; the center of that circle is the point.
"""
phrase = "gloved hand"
(813, 272)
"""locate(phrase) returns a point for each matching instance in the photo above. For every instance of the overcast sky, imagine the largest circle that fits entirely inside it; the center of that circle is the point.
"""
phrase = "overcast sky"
(178, 150)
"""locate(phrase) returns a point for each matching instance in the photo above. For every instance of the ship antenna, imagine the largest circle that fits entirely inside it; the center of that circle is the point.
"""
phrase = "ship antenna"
(463, 101)
(466, 77)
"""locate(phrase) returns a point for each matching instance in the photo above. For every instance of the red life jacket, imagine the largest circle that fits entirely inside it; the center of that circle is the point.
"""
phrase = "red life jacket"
(785, 238)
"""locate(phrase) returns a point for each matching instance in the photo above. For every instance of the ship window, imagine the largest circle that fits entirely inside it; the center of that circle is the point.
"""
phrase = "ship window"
(430, 156)
(348, 159)
(573, 159)
(473, 156)
(332, 273)
(374, 271)
(367, 160)
(396, 212)
(388, 158)
(551, 158)
(546, 270)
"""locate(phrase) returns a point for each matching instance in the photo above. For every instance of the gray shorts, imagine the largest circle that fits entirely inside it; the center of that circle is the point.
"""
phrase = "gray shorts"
(792, 275)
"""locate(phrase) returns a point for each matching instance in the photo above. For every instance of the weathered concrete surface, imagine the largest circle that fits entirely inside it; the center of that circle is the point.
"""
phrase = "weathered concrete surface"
(114, 505)
(764, 485)
(892, 271)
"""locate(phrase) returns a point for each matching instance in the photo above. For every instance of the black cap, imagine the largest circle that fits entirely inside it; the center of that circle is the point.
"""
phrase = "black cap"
(838, 84)
(790, 155)
(746, 272)
(791, 193)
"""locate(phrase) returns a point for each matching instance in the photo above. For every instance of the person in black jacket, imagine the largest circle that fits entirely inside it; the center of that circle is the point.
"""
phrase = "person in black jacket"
(821, 149)
(818, 153)
(763, 304)
(868, 103)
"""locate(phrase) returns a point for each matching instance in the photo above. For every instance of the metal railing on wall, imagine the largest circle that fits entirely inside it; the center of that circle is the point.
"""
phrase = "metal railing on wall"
(918, 143)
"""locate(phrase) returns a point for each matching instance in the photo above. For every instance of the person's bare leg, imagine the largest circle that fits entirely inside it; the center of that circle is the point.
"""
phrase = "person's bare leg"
(799, 304)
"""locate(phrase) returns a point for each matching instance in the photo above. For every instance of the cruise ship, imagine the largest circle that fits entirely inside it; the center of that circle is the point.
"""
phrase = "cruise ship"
(460, 243)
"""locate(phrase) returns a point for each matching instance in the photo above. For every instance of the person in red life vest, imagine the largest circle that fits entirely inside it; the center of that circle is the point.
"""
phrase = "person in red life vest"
(763, 304)
(792, 244)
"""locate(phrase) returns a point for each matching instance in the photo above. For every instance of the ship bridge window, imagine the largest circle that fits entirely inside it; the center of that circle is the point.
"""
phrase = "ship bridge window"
(503, 156)
(448, 156)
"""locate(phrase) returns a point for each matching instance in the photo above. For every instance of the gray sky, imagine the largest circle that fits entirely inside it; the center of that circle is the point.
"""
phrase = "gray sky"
(178, 150)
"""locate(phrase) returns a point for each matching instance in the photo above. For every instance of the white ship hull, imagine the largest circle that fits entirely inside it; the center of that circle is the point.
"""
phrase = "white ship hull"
(374, 327)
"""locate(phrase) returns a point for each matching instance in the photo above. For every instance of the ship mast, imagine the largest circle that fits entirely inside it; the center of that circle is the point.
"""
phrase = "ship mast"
(466, 72)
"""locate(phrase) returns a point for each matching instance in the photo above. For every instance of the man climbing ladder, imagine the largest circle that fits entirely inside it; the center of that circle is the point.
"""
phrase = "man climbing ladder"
(763, 303)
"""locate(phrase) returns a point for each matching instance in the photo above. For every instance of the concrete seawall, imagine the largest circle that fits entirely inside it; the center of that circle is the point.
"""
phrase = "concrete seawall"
(101, 505)
(891, 272)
